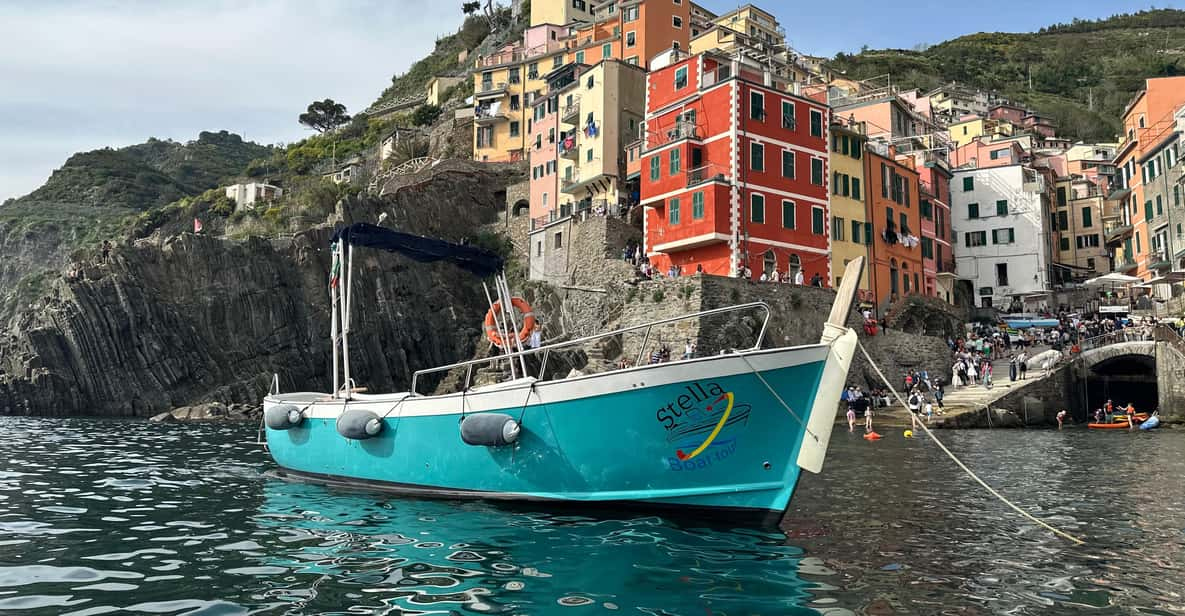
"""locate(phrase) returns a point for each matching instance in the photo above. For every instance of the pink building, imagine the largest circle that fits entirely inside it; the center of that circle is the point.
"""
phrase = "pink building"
(1039, 124)
(982, 154)
(547, 145)
(544, 34)
(1004, 111)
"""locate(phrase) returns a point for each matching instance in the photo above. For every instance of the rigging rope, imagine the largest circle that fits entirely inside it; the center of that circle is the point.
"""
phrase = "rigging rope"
(777, 397)
(959, 462)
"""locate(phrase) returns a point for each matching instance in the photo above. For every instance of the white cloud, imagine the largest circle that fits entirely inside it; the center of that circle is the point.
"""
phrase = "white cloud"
(90, 74)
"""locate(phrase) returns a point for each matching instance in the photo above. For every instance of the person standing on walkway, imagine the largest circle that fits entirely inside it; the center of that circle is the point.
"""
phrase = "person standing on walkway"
(1021, 364)
(986, 374)
(1011, 368)
(939, 392)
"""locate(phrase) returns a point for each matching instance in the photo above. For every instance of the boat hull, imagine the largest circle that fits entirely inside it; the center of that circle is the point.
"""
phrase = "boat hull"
(690, 436)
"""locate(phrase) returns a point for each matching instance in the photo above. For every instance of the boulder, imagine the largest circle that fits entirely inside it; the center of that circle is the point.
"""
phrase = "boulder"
(165, 417)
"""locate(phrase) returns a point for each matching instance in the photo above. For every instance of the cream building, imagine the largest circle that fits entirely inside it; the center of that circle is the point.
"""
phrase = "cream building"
(438, 85)
(851, 231)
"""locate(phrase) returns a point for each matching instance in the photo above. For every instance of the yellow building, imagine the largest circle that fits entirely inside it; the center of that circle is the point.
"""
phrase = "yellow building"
(755, 32)
(504, 84)
(561, 12)
(851, 230)
(1078, 223)
(962, 133)
(438, 86)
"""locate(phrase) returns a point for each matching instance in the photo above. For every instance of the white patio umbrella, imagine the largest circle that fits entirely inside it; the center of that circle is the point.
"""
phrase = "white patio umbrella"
(1111, 280)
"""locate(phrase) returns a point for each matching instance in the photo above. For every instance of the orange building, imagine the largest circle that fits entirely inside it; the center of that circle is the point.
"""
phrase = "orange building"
(893, 202)
(1147, 118)
(631, 31)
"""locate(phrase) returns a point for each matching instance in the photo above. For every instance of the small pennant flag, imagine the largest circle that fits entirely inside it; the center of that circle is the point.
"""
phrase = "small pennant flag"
(197, 225)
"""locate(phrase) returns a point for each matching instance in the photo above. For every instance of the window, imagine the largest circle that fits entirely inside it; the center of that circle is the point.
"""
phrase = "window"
(1159, 206)
(580, 57)
(1001, 274)
(1148, 209)
(675, 160)
(856, 189)
(904, 223)
(788, 164)
(885, 179)
(514, 129)
(515, 102)
(787, 214)
(968, 184)
(835, 182)
(607, 50)
(757, 208)
(1086, 217)
(1001, 207)
(677, 22)
(816, 123)
(1090, 263)
(856, 231)
(837, 229)
(756, 105)
(1088, 241)
(697, 205)
(927, 248)
(673, 210)
(756, 156)
(817, 171)
(559, 239)
(655, 166)
(1061, 195)
(975, 238)
(1063, 221)
(538, 249)
(588, 155)
(1003, 236)
(925, 209)
(681, 77)
(972, 210)
(631, 38)
(817, 220)
(788, 121)
(1064, 243)
(1176, 196)
(557, 61)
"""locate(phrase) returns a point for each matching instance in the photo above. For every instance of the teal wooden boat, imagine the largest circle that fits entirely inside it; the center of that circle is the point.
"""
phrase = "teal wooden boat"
(726, 434)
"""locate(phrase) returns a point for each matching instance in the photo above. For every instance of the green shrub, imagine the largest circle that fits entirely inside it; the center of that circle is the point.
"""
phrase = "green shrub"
(658, 295)
(425, 114)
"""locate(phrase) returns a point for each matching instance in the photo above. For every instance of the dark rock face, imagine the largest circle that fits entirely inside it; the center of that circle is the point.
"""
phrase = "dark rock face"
(193, 319)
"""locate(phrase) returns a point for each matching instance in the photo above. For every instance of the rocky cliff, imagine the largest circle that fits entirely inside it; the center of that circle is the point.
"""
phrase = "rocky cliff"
(171, 321)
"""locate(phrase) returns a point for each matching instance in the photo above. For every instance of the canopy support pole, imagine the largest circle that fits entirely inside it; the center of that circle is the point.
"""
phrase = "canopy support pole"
(499, 324)
(333, 324)
(345, 302)
(506, 304)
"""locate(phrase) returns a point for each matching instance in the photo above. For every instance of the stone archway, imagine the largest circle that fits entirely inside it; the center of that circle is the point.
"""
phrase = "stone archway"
(520, 207)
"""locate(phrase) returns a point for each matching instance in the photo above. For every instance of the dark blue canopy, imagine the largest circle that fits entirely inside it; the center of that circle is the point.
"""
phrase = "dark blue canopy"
(423, 249)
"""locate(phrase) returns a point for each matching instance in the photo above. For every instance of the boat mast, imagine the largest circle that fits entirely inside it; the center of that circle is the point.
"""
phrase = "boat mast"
(506, 304)
(345, 319)
(335, 264)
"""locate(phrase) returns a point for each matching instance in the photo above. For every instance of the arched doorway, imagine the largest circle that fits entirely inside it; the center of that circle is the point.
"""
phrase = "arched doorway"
(522, 206)
(893, 278)
(769, 264)
(794, 267)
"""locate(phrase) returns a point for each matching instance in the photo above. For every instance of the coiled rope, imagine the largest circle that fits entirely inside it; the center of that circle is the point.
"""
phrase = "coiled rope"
(959, 462)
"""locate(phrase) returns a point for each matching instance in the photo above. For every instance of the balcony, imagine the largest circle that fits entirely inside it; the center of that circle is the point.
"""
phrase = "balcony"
(681, 129)
(707, 173)
(490, 90)
(1159, 260)
(570, 114)
(1116, 233)
(483, 116)
(569, 148)
(575, 184)
(1125, 266)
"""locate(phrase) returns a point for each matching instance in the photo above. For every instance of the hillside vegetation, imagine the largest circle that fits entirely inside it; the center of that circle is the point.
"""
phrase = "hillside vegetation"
(1082, 73)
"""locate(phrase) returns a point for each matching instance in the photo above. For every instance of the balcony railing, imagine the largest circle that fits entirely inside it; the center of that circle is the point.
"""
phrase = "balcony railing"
(571, 112)
(483, 116)
(1125, 265)
(707, 173)
(681, 129)
(1159, 260)
(490, 88)
(570, 148)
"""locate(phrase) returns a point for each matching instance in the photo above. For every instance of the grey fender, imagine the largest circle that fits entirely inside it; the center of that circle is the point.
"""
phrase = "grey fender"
(359, 424)
(282, 417)
(489, 429)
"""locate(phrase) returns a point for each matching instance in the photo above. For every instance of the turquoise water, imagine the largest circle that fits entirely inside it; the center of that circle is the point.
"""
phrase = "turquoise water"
(104, 517)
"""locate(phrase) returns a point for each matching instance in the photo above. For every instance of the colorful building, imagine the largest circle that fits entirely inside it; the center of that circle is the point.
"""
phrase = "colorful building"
(893, 202)
(1147, 122)
(851, 231)
(733, 170)
(938, 259)
(578, 159)
(754, 32)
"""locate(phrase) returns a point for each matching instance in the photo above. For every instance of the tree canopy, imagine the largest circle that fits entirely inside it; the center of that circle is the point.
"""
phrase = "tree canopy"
(325, 115)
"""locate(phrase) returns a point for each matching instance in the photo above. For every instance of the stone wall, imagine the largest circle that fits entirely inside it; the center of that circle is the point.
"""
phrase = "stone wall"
(1170, 382)
(797, 317)
(588, 252)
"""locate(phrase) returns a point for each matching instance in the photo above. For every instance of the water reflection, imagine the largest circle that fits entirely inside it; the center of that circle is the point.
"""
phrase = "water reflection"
(431, 557)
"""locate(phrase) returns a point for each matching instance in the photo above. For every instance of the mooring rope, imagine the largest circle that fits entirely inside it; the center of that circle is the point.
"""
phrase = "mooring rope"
(959, 462)
(777, 397)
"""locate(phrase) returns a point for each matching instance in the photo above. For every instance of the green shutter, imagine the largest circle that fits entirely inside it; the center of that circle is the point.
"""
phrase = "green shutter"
(972, 210)
(968, 184)
(856, 189)
(1002, 207)
(787, 214)
(817, 171)
(674, 166)
(655, 167)
(1148, 210)
(674, 211)
(697, 205)
(1065, 243)
(1086, 220)
(757, 208)
(817, 220)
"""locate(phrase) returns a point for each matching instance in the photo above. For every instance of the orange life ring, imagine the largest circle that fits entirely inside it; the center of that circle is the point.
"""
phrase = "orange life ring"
(519, 304)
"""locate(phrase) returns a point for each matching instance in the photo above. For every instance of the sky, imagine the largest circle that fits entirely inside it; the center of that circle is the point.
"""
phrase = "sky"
(78, 75)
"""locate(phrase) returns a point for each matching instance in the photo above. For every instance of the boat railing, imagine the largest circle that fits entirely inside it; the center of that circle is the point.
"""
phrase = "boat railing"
(546, 350)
